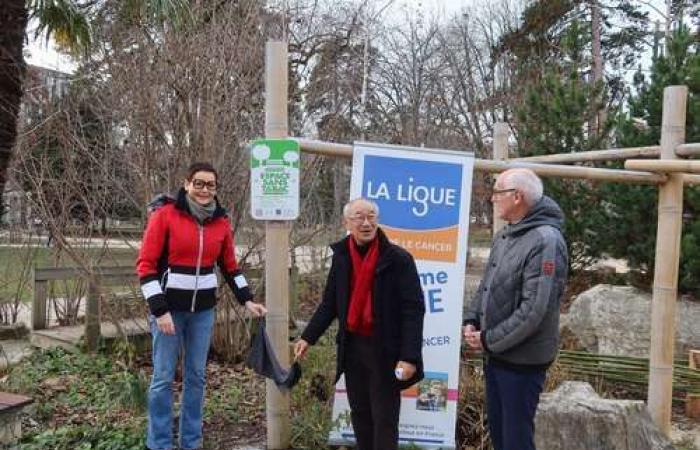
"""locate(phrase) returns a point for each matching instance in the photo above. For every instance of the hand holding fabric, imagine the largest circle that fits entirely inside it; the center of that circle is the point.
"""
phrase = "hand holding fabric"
(256, 309)
(300, 348)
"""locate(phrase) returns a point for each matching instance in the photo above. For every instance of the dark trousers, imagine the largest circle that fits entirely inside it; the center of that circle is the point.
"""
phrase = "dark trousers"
(511, 404)
(373, 394)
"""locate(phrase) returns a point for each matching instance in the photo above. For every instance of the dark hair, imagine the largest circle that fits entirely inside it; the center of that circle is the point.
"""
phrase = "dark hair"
(201, 167)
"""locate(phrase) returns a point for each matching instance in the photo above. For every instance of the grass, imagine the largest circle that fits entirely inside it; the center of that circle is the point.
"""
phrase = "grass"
(311, 400)
(81, 401)
(479, 236)
(16, 264)
(97, 402)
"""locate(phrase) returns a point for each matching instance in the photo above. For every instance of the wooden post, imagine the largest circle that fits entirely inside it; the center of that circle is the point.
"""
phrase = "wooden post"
(692, 402)
(39, 304)
(92, 316)
(276, 252)
(668, 243)
(500, 153)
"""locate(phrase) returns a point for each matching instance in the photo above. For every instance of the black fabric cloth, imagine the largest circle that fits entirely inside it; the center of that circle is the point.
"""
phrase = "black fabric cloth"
(263, 360)
(373, 394)
(398, 307)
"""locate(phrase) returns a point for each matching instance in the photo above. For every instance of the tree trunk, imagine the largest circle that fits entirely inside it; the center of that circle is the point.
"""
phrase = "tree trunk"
(601, 115)
(13, 22)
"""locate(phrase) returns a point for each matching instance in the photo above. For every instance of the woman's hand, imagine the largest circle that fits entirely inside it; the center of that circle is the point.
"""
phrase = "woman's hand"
(165, 324)
(256, 309)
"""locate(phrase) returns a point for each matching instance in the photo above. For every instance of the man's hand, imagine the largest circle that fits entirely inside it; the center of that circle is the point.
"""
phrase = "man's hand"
(472, 337)
(468, 329)
(256, 309)
(406, 369)
(300, 348)
(165, 324)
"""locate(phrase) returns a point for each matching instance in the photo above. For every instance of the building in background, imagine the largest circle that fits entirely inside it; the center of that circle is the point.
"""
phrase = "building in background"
(42, 86)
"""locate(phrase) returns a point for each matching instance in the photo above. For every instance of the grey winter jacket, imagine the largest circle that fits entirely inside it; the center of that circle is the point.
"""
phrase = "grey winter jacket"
(517, 304)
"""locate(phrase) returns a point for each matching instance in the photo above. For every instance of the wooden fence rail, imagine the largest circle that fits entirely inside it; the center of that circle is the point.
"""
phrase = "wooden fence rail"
(97, 279)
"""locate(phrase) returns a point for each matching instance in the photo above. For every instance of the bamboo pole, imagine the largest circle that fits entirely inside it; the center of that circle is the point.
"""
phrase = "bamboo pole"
(691, 179)
(596, 155)
(487, 165)
(677, 165)
(589, 173)
(668, 242)
(612, 154)
(501, 132)
(325, 148)
(688, 150)
(276, 251)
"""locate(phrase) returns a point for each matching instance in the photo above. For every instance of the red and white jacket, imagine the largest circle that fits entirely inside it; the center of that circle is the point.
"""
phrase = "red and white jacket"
(178, 256)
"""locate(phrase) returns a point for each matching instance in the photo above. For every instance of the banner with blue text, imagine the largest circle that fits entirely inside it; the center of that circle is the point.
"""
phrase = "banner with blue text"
(423, 197)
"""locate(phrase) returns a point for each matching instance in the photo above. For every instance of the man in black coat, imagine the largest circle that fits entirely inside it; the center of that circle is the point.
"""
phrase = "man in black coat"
(374, 291)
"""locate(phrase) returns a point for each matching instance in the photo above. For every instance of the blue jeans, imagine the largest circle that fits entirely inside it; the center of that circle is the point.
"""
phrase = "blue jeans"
(193, 335)
(511, 404)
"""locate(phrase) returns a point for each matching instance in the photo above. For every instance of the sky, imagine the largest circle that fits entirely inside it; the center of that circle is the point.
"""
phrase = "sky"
(39, 53)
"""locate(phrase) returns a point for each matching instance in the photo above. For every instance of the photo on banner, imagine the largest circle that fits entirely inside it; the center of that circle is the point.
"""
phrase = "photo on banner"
(423, 197)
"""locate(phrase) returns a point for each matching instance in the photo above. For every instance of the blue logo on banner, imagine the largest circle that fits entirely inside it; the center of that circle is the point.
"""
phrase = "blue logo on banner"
(413, 194)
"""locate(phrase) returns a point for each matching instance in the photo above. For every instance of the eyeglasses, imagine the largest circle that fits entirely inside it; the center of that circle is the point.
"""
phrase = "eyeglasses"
(502, 191)
(360, 219)
(201, 184)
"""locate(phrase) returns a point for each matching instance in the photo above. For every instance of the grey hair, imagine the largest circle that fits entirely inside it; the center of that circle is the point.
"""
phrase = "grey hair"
(527, 182)
(346, 208)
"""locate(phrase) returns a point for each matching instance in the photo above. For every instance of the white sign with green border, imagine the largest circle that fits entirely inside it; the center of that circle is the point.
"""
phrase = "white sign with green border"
(274, 179)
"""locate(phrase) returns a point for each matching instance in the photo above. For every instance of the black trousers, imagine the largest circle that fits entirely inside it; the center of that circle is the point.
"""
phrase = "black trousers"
(511, 404)
(373, 394)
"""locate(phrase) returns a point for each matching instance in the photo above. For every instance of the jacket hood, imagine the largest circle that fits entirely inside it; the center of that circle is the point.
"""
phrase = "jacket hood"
(545, 212)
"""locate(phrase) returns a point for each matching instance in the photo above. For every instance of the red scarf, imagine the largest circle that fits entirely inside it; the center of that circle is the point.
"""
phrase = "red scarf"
(360, 311)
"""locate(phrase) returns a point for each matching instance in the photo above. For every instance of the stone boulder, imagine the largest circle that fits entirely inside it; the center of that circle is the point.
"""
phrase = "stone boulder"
(574, 417)
(616, 320)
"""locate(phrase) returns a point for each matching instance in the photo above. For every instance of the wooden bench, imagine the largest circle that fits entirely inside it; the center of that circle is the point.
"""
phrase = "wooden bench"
(11, 405)
(103, 276)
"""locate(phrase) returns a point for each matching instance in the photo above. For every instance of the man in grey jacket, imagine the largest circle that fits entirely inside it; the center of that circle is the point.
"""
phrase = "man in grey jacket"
(514, 316)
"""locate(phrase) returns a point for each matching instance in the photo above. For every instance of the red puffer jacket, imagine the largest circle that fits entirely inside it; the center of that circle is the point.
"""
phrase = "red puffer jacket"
(178, 255)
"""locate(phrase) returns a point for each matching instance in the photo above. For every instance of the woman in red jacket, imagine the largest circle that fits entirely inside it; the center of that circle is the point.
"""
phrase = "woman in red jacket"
(184, 240)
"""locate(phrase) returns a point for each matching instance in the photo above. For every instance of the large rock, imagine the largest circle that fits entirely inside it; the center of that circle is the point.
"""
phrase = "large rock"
(616, 320)
(574, 417)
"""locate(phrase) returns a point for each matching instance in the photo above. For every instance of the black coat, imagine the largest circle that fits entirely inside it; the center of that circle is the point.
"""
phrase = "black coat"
(397, 306)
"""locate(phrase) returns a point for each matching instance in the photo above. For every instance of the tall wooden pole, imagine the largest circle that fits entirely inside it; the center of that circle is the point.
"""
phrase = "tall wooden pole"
(276, 251)
(500, 153)
(668, 243)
